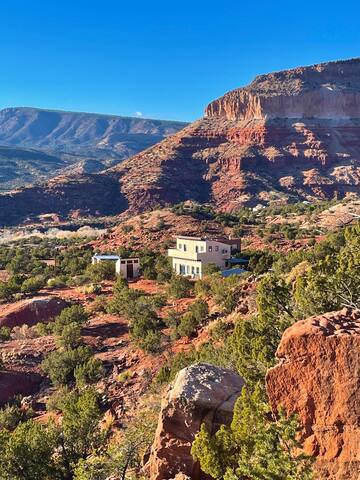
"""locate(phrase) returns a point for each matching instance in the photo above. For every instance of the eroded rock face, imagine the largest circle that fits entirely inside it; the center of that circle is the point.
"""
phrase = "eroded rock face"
(200, 393)
(318, 376)
(31, 311)
(327, 90)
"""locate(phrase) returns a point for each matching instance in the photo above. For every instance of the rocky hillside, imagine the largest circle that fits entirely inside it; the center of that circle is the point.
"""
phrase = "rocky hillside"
(291, 135)
(38, 143)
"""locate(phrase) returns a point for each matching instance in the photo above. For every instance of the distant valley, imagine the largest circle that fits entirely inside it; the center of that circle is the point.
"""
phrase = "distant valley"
(37, 144)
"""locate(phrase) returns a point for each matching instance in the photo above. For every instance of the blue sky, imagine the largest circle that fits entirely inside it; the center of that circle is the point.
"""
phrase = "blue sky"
(162, 59)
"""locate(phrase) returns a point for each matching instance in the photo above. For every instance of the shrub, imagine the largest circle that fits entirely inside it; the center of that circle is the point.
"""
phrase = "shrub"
(199, 310)
(70, 336)
(27, 453)
(33, 284)
(60, 364)
(151, 343)
(12, 415)
(101, 271)
(179, 287)
(5, 333)
(73, 314)
(99, 304)
(188, 325)
(209, 269)
(254, 446)
(202, 288)
(88, 372)
(124, 376)
(57, 282)
(173, 319)
(219, 331)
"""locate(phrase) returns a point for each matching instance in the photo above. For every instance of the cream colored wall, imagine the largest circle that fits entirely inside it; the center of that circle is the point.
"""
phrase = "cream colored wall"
(215, 256)
(121, 269)
(192, 258)
(188, 265)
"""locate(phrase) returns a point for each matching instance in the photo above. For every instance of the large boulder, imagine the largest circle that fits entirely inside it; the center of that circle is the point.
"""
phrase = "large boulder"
(31, 311)
(200, 393)
(318, 376)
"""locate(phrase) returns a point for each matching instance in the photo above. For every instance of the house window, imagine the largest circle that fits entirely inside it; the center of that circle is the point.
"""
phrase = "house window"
(197, 270)
(196, 248)
(180, 246)
(185, 247)
(201, 248)
(210, 248)
(123, 262)
(216, 248)
(193, 270)
(182, 269)
(187, 269)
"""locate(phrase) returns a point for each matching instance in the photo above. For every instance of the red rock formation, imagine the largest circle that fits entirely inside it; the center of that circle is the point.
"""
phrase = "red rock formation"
(318, 376)
(20, 373)
(288, 135)
(18, 383)
(200, 394)
(31, 311)
(327, 90)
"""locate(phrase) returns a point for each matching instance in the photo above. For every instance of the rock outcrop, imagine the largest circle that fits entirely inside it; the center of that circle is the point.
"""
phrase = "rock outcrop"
(31, 311)
(318, 376)
(327, 90)
(291, 135)
(199, 394)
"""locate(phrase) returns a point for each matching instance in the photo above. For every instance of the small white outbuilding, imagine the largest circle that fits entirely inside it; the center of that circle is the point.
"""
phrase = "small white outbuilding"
(128, 268)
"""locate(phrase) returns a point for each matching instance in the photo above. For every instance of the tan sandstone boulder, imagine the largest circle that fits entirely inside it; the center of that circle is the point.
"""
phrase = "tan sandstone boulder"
(200, 393)
(318, 376)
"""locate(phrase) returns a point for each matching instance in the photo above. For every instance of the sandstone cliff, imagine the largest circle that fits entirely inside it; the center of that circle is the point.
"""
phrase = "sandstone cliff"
(292, 135)
(318, 376)
(327, 90)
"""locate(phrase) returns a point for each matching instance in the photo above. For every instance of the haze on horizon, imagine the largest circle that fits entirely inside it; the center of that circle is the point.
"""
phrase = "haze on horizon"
(159, 60)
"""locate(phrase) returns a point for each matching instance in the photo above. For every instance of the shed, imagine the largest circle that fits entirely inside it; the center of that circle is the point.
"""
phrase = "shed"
(128, 267)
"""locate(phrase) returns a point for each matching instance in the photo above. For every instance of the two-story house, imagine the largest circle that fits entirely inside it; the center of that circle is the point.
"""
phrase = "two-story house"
(192, 253)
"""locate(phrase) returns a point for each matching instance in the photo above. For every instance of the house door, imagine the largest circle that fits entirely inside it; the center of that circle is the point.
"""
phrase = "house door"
(129, 270)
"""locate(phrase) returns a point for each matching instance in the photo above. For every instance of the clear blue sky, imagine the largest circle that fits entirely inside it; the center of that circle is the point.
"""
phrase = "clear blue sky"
(165, 59)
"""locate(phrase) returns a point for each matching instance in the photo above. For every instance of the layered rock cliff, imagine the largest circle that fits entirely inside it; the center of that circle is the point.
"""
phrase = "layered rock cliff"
(292, 135)
(318, 377)
(328, 90)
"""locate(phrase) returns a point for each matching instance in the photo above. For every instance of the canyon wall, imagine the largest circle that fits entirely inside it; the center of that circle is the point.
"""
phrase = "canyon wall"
(329, 90)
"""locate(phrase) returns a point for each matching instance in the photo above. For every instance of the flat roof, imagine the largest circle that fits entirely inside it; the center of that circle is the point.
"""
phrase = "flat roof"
(106, 257)
(211, 239)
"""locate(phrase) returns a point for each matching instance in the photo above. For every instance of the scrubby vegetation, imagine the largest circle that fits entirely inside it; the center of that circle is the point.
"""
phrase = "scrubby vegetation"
(259, 444)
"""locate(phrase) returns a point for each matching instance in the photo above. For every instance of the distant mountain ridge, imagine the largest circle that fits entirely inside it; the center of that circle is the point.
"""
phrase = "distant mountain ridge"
(89, 140)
